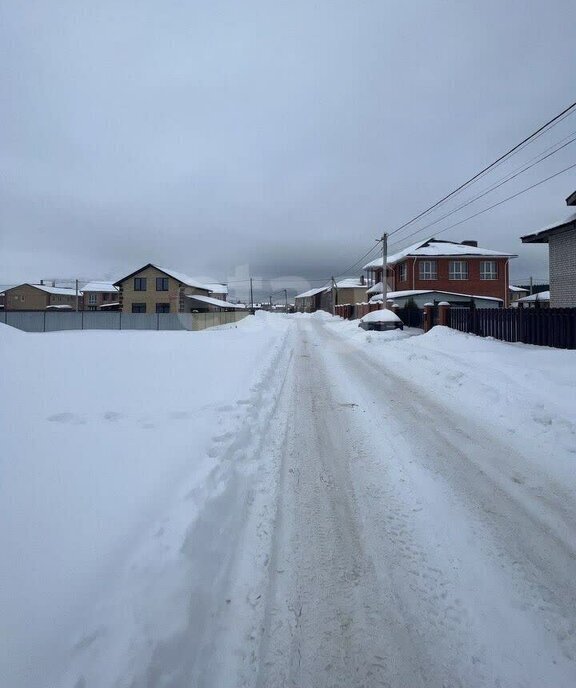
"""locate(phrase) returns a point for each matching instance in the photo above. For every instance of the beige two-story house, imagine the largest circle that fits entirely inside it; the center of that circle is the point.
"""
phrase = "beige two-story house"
(154, 289)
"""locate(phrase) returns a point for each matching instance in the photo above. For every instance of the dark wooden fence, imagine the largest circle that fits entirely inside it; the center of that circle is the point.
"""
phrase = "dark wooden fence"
(554, 327)
(411, 317)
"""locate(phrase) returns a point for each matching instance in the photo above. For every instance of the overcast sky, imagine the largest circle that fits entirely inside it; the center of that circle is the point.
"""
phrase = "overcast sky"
(276, 138)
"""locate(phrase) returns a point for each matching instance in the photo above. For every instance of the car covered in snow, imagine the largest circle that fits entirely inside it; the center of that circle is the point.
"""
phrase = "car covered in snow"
(381, 320)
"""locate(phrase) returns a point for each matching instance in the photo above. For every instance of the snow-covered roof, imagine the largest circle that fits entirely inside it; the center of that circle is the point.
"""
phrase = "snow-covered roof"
(214, 302)
(559, 223)
(178, 276)
(59, 307)
(106, 287)
(59, 291)
(311, 292)
(540, 296)
(110, 304)
(437, 248)
(216, 287)
(417, 292)
(514, 288)
(351, 283)
(182, 277)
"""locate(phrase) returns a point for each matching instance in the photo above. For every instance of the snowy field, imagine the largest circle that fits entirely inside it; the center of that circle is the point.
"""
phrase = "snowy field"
(290, 502)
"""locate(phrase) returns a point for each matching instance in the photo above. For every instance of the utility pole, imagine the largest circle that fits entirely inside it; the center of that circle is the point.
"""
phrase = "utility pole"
(531, 287)
(270, 299)
(251, 297)
(285, 300)
(384, 241)
(335, 297)
(77, 296)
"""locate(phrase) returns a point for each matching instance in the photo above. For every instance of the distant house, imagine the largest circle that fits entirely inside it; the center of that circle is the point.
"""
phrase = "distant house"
(101, 295)
(446, 266)
(561, 240)
(538, 300)
(515, 293)
(350, 290)
(311, 300)
(422, 296)
(217, 290)
(40, 297)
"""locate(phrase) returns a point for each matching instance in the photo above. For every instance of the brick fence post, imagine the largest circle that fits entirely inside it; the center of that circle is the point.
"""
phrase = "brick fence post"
(444, 313)
(428, 311)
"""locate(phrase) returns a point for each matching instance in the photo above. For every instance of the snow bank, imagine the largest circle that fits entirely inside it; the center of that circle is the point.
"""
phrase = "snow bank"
(101, 432)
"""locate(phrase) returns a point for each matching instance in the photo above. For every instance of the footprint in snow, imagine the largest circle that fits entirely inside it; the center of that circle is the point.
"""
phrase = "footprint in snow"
(66, 417)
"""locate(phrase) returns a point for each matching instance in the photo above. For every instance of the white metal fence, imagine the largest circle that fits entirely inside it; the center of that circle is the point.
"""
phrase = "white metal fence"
(45, 321)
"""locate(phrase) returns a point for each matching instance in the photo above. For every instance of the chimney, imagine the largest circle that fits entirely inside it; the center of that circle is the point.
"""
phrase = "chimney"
(362, 280)
(53, 283)
(41, 283)
(469, 242)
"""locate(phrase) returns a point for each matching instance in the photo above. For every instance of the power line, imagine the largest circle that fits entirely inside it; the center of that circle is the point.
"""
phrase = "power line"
(494, 205)
(514, 149)
(497, 185)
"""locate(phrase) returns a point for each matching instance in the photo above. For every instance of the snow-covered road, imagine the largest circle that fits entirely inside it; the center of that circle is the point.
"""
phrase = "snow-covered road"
(357, 529)
(408, 549)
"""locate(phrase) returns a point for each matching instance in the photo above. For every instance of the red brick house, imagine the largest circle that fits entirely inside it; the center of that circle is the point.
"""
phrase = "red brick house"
(446, 266)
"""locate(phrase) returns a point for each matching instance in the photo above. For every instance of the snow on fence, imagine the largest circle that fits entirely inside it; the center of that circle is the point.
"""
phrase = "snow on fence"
(44, 321)
(555, 327)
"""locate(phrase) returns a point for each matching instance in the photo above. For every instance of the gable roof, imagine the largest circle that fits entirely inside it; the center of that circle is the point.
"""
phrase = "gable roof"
(178, 276)
(438, 248)
(311, 292)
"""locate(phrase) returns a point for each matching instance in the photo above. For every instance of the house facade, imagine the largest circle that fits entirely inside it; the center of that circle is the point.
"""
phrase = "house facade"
(448, 266)
(100, 295)
(312, 300)
(39, 297)
(154, 289)
(561, 240)
(350, 290)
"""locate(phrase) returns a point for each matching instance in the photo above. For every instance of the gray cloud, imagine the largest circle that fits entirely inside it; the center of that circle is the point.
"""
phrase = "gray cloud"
(285, 136)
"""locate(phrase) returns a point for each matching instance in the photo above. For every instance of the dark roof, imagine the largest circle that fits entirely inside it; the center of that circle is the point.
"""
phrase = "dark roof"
(571, 200)
(543, 235)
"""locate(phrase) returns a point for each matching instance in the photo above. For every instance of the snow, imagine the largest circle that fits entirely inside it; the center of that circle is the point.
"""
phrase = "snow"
(514, 288)
(351, 283)
(437, 248)
(311, 292)
(381, 315)
(183, 278)
(216, 287)
(540, 296)
(59, 291)
(215, 302)
(292, 501)
(105, 287)
(104, 433)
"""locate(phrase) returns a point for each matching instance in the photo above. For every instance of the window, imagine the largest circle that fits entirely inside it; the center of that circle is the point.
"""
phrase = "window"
(428, 270)
(488, 270)
(161, 284)
(162, 308)
(138, 308)
(403, 272)
(104, 297)
(92, 299)
(139, 284)
(458, 270)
